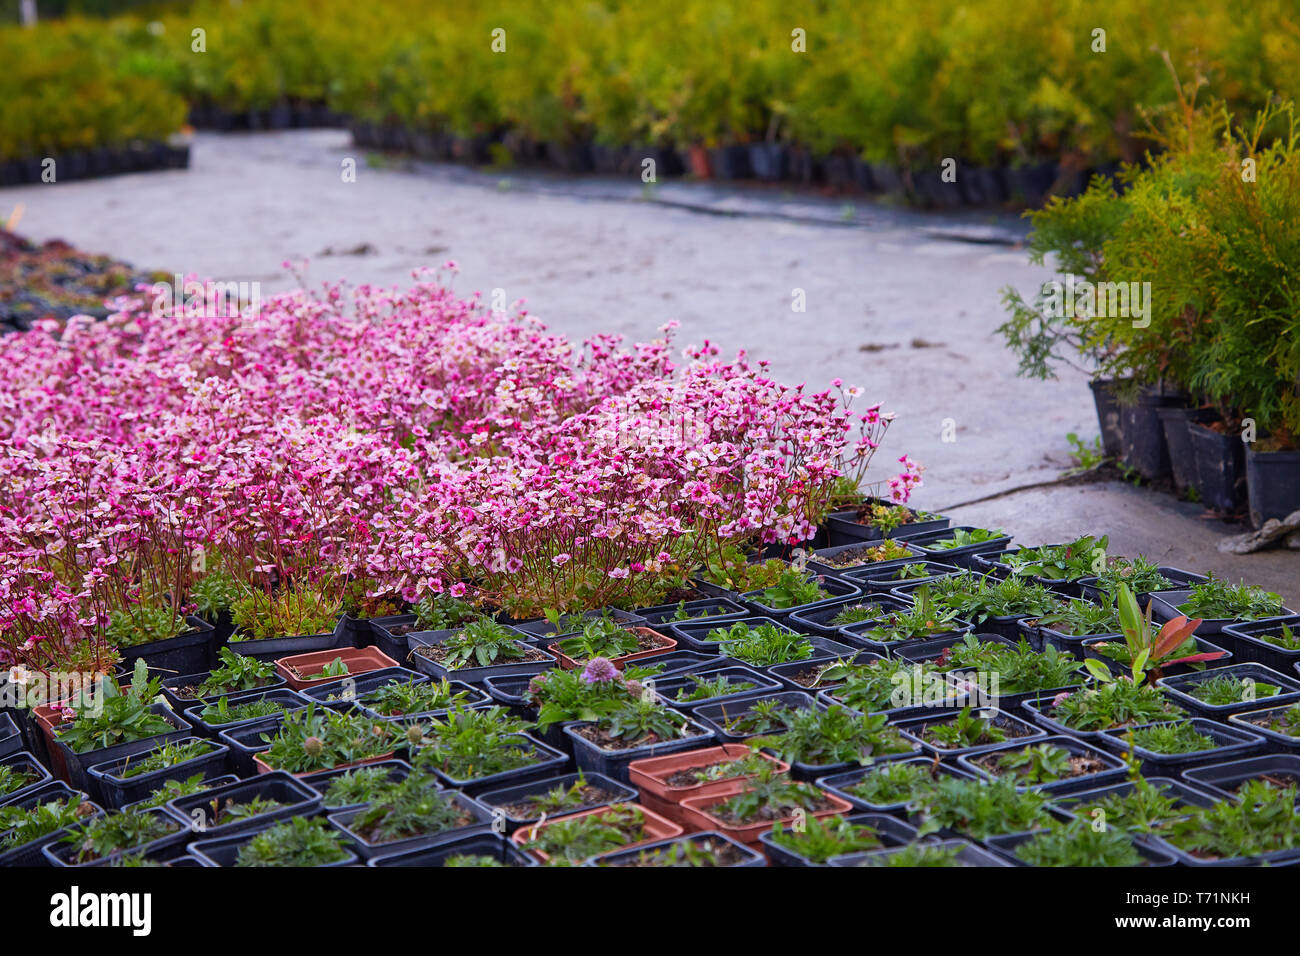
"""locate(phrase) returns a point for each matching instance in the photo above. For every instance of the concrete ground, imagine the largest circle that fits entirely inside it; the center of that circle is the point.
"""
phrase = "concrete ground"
(902, 303)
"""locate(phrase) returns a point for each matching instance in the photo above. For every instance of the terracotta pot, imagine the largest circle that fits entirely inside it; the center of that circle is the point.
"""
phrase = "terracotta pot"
(359, 660)
(656, 828)
(44, 716)
(264, 767)
(701, 165)
(696, 811)
(650, 775)
(570, 664)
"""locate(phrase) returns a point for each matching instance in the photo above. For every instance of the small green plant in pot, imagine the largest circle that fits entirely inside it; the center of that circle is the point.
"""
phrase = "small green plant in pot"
(1080, 558)
(311, 739)
(300, 842)
(472, 744)
(761, 646)
(233, 674)
(835, 735)
(117, 716)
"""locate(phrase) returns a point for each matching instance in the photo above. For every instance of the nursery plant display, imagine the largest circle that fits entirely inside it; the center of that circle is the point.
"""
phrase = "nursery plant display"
(1213, 352)
(414, 76)
(55, 281)
(315, 739)
(979, 598)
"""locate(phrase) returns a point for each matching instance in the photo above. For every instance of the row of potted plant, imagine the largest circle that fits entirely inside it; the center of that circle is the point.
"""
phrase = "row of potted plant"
(855, 95)
(1181, 336)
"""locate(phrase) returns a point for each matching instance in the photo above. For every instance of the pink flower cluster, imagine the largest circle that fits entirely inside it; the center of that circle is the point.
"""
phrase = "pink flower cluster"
(412, 440)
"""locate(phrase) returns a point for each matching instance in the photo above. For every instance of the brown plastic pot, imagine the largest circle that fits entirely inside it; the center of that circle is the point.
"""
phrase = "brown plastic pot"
(656, 828)
(700, 163)
(44, 715)
(569, 664)
(696, 810)
(650, 775)
(359, 660)
(264, 767)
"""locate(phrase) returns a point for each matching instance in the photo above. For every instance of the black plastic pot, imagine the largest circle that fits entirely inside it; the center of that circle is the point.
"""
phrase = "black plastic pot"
(1006, 845)
(549, 762)
(1250, 643)
(1030, 184)
(25, 762)
(1040, 712)
(245, 741)
(397, 771)
(882, 580)
(187, 653)
(1166, 609)
(118, 791)
(1179, 577)
(178, 703)
(271, 648)
(675, 663)
(768, 161)
(792, 676)
(968, 854)
(589, 758)
(995, 563)
(356, 631)
(30, 854)
(1219, 462)
(342, 695)
(1224, 779)
(382, 636)
(694, 636)
(498, 800)
(481, 844)
(715, 716)
(707, 608)
(837, 588)
(839, 783)
(1181, 793)
(730, 162)
(1142, 436)
(1175, 421)
(669, 687)
(1273, 484)
(855, 635)
(11, 738)
(224, 851)
(79, 764)
(1277, 741)
(482, 824)
(470, 675)
(61, 854)
(914, 727)
(816, 619)
(1178, 689)
(963, 557)
(819, 561)
(891, 831)
(1230, 744)
(845, 529)
(477, 697)
(286, 698)
(631, 856)
(543, 630)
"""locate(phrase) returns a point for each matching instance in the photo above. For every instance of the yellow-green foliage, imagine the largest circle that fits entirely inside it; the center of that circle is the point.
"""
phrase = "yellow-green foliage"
(1214, 226)
(983, 80)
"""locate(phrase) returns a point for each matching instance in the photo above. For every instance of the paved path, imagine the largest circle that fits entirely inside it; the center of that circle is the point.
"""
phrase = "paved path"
(902, 303)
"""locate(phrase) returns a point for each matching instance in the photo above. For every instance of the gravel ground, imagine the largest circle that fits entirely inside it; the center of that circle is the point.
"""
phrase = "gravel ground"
(902, 303)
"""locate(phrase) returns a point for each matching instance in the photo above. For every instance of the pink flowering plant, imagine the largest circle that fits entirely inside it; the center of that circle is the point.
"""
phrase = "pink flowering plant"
(365, 448)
